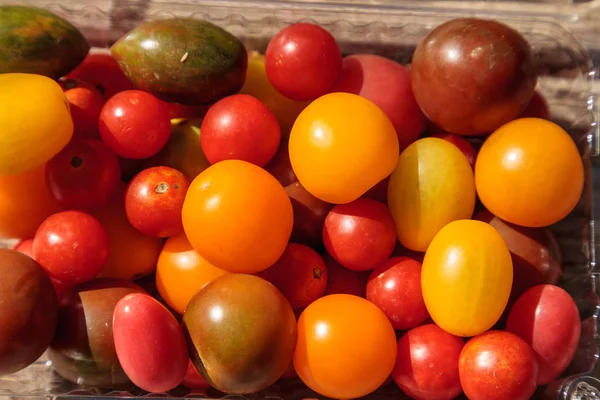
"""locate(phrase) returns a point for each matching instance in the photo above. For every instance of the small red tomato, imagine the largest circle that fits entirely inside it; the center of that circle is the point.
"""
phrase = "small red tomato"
(379, 192)
(85, 103)
(463, 145)
(498, 365)
(149, 343)
(427, 363)
(360, 235)
(344, 281)
(25, 247)
(84, 175)
(154, 200)
(537, 108)
(193, 379)
(395, 287)
(240, 127)
(135, 124)
(177, 110)
(71, 246)
(547, 318)
(102, 71)
(303, 61)
(300, 274)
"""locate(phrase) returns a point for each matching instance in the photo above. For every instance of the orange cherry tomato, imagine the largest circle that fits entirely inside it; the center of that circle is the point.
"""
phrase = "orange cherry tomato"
(529, 172)
(25, 202)
(346, 347)
(341, 146)
(238, 216)
(466, 277)
(182, 272)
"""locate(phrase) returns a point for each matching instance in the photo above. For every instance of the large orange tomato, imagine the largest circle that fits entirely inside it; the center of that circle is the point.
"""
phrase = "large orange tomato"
(346, 347)
(237, 216)
(25, 202)
(181, 272)
(466, 277)
(341, 146)
(529, 172)
(431, 186)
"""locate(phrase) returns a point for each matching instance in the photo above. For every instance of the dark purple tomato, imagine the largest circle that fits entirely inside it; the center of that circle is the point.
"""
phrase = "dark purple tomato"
(427, 363)
(135, 124)
(28, 311)
(303, 61)
(154, 199)
(470, 76)
(240, 127)
(83, 175)
(71, 246)
(149, 343)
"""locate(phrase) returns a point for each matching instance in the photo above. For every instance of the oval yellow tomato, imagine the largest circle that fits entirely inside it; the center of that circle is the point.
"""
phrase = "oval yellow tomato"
(466, 277)
(341, 146)
(35, 122)
(529, 172)
(431, 186)
(237, 216)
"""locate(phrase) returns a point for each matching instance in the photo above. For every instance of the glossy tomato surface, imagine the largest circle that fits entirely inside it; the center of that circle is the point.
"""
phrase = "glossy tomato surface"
(346, 347)
(85, 104)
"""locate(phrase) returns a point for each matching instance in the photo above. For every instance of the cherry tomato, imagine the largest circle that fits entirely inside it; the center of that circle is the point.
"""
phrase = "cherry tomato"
(395, 287)
(303, 61)
(71, 246)
(546, 317)
(529, 172)
(193, 379)
(25, 247)
(463, 145)
(177, 110)
(300, 274)
(84, 175)
(346, 347)
(135, 124)
(237, 216)
(427, 363)
(466, 277)
(102, 71)
(154, 199)
(331, 153)
(360, 235)
(498, 365)
(85, 103)
(181, 272)
(341, 280)
(537, 108)
(431, 186)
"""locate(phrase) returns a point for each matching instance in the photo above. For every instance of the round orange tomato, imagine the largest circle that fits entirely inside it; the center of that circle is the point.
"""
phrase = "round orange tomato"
(466, 277)
(431, 186)
(238, 217)
(182, 272)
(341, 146)
(529, 172)
(346, 347)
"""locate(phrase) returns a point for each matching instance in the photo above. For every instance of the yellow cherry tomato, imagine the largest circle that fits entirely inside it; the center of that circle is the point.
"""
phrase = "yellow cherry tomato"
(431, 186)
(466, 277)
(341, 146)
(529, 172)
(35, 122)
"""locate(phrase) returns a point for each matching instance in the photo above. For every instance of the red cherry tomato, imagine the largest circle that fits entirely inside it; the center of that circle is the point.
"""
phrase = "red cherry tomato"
(547, 318)
(537, 108)
(193, 379)
(154, 200)
(177, 110)
(360, 235)
(85, 102)
(25, 247)
(498, 365)
(84, 175)
(240, 127)
(102, 71)
(463, 145)
(427, 363)
(71, 246)
(395, 287)
(300, 274)
(303, 61)
(135, 124)
(341, 280)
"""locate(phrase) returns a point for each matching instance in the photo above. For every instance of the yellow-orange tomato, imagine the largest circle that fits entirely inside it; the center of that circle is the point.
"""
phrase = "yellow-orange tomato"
(466, 277)
(529, 172)
(346, 347)
(341, 146)
(181, 272)
(431, 186)
(25, 202)
(131, 254)
(237, 216)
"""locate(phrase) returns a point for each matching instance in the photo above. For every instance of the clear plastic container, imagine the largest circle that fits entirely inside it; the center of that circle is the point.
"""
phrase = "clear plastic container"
(566, 40)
